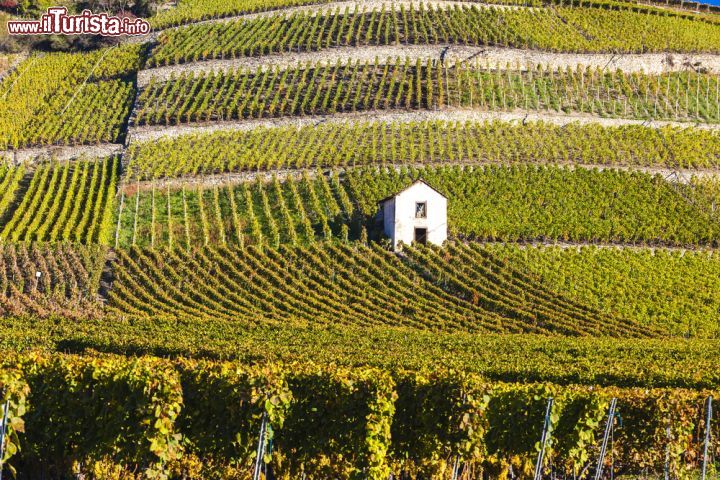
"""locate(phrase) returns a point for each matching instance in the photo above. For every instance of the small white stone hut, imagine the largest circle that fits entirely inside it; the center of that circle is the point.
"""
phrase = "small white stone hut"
(416, 214)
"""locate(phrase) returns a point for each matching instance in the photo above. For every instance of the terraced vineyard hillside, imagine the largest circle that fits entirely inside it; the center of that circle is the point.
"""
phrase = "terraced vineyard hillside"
(196, 280)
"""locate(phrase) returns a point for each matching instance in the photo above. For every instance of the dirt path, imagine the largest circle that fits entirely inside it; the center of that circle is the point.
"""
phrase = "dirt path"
(651, 63)
(146, 133)
(61, 152)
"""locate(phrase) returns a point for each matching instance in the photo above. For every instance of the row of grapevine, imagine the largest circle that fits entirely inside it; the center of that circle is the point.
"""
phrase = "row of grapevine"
(556, 29)
(297, 211)
(64, 98)
(516, 203)
(475, 274)
(357, 144)
(190, 11)
(161, 418)
(401, 84)
(676, 290)
(9, 183)
(610, 361)
(45, 280)
(70, 201)
(338, 283)
(527, 202)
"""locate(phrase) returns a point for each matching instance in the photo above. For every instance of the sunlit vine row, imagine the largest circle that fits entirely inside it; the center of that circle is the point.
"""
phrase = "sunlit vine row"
(489, 202)
(557, 29)
(355, 144)
(673, 289)
(550, 203)
(189, 11)
(297, 211)
(68, 98)
(10, 178)
(402, 84)
(335, 283)
(70, 201)
(666, 362)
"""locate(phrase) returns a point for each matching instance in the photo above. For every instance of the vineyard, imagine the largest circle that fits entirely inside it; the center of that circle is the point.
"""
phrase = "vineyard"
(557, 29)
(196, 283)
(50, 280)
(68, 99)
(355, 86)
(547, 203)
(190, 11)
(340, 284)
(415, 143)
(398, 430)
(608, 361)
(673, 288)
(70, 201)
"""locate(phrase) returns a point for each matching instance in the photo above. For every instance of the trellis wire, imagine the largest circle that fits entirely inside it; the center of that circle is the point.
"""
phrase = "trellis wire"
(668, 433)
(3, 432)
(606, 437)
(456, 464)
(708, 419)
(456, 468)
(543, 440)
(260, 448)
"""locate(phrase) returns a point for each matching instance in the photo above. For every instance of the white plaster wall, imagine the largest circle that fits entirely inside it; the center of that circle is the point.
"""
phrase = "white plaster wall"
(405, 221)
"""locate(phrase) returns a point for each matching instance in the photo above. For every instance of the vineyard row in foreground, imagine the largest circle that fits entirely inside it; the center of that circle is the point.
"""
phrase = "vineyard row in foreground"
(401, 84)
(557, 29)
(414, 143)
(162, 419)
(486, 202)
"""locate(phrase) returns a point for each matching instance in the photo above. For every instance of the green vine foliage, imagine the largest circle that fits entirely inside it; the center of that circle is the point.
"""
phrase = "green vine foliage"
(13, 393)
(223, 406)
(338, 425)
(577, 430)
(87, 410)
(113, 417)
(438, 417)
